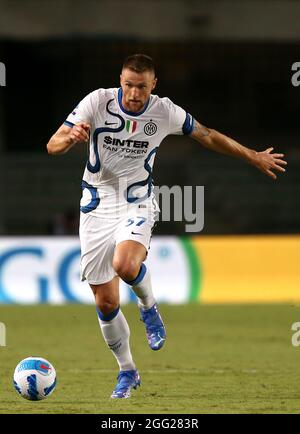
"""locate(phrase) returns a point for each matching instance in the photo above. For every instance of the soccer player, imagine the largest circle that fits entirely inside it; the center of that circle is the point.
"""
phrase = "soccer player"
(124, 127)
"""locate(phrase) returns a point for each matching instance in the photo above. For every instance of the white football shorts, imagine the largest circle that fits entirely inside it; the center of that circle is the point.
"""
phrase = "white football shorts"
(99, 237)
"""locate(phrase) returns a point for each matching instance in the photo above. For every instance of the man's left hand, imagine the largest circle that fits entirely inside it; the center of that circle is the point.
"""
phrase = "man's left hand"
(267, 162)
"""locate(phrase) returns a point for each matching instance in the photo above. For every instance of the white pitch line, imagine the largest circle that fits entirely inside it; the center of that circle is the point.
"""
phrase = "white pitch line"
(168, 371)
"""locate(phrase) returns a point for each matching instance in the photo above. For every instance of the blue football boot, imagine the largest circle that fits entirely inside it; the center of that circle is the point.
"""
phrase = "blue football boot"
(155, 329)
(126, 381)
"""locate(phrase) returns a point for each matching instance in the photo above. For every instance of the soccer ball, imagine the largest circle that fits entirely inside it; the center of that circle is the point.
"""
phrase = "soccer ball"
(34, 378)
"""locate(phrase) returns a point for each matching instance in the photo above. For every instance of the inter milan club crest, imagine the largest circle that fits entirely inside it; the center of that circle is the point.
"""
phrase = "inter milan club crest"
(150, 128)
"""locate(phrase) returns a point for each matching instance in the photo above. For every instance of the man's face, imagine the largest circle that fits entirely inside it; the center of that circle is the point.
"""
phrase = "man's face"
(136, 87)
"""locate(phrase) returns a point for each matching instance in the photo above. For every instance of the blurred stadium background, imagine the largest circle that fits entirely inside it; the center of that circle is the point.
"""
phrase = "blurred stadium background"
(226, 62)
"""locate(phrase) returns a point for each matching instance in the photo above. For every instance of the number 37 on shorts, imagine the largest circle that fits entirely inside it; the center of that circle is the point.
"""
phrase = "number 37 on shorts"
(137, 221)
(137, 228)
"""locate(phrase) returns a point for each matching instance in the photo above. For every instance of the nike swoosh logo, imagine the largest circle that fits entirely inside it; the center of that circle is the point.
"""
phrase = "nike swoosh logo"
(114, 344)
(44, 367)
(136, 233)
(110, 123)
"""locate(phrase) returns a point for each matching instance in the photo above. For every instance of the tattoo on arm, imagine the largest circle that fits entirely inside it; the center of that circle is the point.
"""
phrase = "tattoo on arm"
(201, 130)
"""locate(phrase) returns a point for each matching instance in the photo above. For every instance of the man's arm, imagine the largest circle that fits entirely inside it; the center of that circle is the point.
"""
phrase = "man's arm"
(265, 161)
(66, 137)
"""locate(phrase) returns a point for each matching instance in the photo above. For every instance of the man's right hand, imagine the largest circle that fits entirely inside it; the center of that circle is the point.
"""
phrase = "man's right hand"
(80, 133)
(66, 136)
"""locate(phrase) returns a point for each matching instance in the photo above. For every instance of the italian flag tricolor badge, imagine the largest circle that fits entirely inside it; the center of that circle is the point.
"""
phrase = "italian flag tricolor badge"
(131, 126)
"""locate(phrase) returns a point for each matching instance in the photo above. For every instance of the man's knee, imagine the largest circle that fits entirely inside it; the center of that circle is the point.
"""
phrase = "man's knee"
(106, 296)
(106, 305)
(127, 269)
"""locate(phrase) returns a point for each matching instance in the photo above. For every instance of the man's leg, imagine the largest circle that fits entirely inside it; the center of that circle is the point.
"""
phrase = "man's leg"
(116, 334)
(128, 263)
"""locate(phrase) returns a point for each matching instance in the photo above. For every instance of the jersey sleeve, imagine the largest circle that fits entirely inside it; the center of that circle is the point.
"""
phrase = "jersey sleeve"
(180, 122)
(83, 112)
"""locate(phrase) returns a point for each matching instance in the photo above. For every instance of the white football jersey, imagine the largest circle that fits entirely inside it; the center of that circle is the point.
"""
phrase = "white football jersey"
(122, 147)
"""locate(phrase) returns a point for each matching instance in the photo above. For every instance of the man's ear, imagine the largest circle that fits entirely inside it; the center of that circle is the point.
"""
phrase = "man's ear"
(154, 83)
(120, 78)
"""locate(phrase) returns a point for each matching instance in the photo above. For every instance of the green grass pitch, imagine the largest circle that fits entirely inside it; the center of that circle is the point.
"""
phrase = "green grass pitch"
(217, 359)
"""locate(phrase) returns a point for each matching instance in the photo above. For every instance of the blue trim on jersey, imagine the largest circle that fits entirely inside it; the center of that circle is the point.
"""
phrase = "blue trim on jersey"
(69, 124)
(95, 198)
(188, 126)
(139, 277)
(109, 316)
(120, 94)
(96, 167)
(146, 181)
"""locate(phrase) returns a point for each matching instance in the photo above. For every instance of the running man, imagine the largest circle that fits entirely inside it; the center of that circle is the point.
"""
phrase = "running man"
(124, 127)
